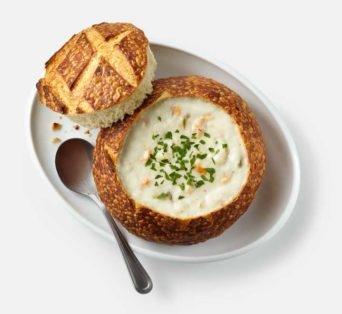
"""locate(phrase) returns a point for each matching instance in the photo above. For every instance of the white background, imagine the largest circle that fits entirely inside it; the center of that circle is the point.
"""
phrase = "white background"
(291, 50)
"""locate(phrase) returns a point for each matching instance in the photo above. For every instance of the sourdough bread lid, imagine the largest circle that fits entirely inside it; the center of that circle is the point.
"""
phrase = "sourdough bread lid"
(98, 68)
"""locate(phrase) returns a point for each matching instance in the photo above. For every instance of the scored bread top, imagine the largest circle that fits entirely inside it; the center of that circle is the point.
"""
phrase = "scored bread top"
(96, 69)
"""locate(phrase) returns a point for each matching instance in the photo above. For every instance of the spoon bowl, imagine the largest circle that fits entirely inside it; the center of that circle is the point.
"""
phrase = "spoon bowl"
(74, 160)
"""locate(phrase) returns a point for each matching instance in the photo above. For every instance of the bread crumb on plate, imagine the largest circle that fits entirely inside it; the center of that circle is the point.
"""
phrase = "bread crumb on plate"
(56, 126)
(56, 140)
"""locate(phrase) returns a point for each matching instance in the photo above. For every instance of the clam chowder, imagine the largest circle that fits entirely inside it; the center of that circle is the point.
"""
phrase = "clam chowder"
(184, 157)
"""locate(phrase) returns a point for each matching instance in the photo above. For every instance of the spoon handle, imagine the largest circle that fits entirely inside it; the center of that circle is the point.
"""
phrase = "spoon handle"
(141, 280)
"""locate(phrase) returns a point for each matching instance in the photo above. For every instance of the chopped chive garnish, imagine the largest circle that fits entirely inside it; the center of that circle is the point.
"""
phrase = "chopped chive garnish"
(185, 120)
(168, 135)
(210, 170)
(148, 162)
(182, 154)
(164, 196)
(199, 183)
(201, 156)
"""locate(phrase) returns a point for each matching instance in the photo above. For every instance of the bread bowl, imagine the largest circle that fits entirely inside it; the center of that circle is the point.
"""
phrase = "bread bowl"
(194, 117)
(99, 75)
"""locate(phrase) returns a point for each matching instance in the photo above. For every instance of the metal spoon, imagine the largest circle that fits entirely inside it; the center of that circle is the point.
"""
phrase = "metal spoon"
(74, 166)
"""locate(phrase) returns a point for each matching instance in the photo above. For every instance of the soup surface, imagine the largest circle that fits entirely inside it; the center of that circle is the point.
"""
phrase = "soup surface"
(184, 157)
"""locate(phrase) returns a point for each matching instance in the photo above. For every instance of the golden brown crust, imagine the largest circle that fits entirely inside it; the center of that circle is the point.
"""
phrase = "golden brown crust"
(75, 61)
(158, 227)
(130, 46)
(105, 85)
(46, 93)
(108, 31)
(96, 69)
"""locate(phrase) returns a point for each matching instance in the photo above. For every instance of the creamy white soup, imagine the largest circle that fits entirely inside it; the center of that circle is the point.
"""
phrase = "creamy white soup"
(183, 157)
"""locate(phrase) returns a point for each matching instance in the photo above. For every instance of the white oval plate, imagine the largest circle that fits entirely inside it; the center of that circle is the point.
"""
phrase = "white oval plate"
(275, 199)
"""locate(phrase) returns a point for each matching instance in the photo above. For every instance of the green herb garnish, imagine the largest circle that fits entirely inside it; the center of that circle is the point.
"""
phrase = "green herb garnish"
(164, 196)
(185, 121)
(201, 156)
(199, 183)
(168, 135)
(179, 167)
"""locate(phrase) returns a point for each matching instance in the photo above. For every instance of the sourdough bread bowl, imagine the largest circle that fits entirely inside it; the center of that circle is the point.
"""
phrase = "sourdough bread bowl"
(99, 75)
(184, 166)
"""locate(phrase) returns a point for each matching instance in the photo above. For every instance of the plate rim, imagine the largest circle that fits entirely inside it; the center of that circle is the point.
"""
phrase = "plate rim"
(177, 258)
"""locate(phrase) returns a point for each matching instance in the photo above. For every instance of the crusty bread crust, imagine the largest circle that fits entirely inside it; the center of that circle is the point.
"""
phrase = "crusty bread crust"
(158, 227)
(105, 118)
(98, 68)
